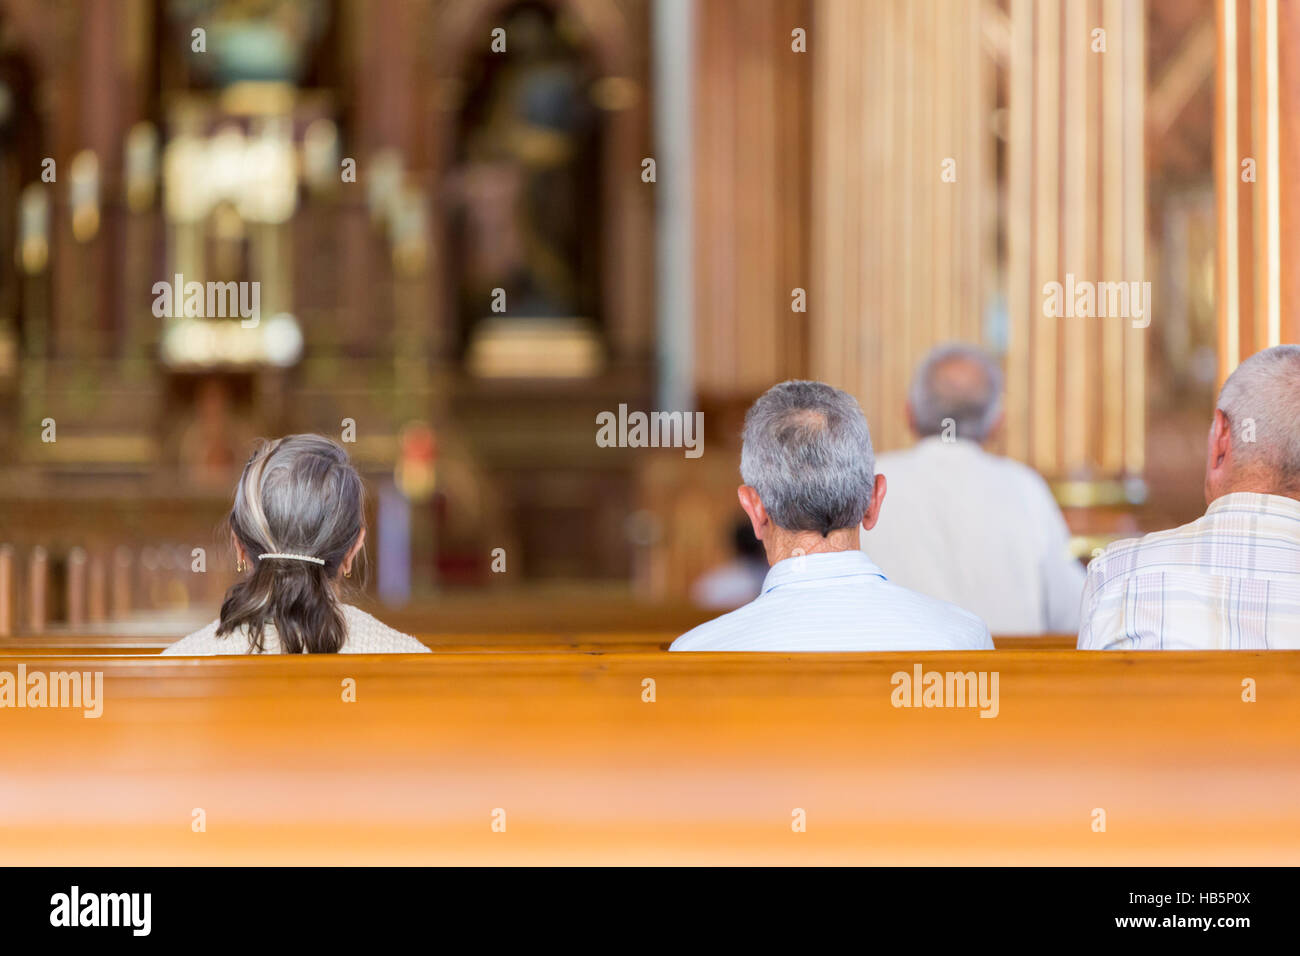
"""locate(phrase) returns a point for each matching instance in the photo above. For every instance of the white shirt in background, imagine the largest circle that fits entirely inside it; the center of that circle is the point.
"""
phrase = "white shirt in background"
(980, 531)
(838, 601)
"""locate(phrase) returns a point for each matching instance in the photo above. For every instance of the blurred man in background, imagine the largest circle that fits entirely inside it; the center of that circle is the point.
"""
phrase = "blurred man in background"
(810, 484)
(1231, 578)
(967, 526)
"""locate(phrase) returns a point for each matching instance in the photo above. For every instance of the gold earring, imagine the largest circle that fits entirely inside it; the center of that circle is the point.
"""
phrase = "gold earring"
(240, 566)
(347, 572)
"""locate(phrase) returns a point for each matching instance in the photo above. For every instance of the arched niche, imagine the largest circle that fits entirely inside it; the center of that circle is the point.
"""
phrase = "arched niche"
(612, 37)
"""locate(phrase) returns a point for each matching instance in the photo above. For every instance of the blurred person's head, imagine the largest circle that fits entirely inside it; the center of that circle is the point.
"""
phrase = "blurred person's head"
(809, 470)
(1254, 442)
(957, 392)
(744, 544)
(298, 524)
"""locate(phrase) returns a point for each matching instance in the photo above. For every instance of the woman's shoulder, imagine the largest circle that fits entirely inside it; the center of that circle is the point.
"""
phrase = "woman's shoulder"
(205, 641)
(369, 635)
(365, 635)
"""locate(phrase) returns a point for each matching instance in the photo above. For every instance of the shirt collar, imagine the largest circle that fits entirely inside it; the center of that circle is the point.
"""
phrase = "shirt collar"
(939, 444)
(821, 567)
(1253, 502)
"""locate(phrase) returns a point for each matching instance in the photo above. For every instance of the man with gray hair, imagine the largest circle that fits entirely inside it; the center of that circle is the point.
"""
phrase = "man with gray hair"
(967, 526)
(1231, 578)
(810, 484)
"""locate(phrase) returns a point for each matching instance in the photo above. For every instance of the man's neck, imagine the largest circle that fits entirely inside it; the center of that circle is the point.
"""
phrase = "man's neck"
(954, 442)
(1252, 484)
(792, 544)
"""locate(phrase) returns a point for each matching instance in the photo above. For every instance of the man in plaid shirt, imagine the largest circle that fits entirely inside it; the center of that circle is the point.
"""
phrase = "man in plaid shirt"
(1231, 578)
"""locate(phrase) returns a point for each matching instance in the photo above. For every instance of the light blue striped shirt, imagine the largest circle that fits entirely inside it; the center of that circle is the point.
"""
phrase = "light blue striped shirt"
(838, 601)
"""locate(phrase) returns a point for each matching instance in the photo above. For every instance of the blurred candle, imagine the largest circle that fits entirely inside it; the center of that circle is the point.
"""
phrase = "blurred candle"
(384, 184)
(320, 155)
(141, 172)
(34, 228)
(83, 195)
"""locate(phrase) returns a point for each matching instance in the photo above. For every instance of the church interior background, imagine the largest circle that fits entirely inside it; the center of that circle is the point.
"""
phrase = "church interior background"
(465, 254)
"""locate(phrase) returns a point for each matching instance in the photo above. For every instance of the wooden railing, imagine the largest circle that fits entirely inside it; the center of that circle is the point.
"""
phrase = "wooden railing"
(75, 588)
(71, 589)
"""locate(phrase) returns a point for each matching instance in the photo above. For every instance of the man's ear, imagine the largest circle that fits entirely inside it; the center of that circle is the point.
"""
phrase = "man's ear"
(873, 510)
(1220, 442)
(753, 506)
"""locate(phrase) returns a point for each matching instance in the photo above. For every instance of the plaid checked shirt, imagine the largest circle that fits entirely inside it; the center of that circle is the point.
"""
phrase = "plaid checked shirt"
(1230, 579)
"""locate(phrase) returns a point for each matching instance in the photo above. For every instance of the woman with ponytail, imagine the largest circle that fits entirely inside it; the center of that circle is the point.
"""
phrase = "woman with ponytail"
(298, 525)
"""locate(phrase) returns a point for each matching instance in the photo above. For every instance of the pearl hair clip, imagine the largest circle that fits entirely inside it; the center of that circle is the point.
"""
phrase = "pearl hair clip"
(292, 557)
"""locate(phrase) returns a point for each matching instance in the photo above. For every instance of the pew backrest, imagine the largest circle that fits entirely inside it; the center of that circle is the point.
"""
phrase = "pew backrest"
(737, 758)
(67, 644)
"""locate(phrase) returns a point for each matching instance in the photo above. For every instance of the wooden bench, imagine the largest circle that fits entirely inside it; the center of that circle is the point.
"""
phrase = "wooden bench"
(731, 752)
(83, 645)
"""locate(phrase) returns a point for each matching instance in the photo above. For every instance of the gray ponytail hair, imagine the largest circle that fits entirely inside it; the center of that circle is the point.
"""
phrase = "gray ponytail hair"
(297, 495)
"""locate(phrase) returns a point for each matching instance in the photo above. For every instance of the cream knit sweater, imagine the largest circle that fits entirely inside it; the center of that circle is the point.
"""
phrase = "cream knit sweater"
(366, 635)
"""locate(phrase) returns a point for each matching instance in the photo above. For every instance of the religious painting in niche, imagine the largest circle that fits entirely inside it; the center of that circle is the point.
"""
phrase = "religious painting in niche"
(525, 202)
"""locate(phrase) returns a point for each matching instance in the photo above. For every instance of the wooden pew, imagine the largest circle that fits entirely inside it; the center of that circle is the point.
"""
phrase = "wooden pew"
(114, 645)
(1036, 642)
(565, 748)
(82, 645)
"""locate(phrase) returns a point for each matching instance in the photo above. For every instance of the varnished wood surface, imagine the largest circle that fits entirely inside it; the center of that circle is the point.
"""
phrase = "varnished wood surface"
(82, 645)
(587, 772)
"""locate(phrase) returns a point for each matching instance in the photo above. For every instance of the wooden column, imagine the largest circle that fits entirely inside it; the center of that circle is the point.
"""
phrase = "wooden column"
(1076, 215)
(1257, 161)
(905, 199)
(751, 131)
(903, 194)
